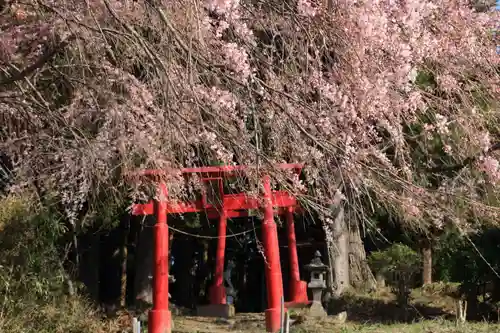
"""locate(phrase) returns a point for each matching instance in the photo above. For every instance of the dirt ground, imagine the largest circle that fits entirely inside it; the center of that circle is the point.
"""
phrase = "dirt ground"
(254, 323)
(432, 311)
(246, 323)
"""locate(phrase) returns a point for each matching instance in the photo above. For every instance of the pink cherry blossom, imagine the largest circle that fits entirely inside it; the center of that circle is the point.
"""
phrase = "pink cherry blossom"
(372, 96)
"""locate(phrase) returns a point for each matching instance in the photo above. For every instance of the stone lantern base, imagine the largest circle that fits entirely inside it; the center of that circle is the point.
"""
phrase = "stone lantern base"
(316, 310)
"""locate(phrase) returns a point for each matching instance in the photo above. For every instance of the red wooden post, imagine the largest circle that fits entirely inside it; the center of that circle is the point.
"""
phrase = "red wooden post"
(272, 262)
(217, 291)
(298, 288)
(160, 316)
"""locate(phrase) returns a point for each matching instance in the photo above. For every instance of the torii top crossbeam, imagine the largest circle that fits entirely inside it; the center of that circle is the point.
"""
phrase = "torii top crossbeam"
(235, 205)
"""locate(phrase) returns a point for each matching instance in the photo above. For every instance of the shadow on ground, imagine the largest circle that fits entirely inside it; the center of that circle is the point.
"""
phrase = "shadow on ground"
(366, 309)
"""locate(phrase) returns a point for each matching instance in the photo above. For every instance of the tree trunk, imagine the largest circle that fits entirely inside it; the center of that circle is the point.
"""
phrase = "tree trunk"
(124, 252)
(204, 271)
(380, 280)
(90, 258)
(143, 287)
(427, 262)
(361, 276)
(144, 263)
(347, 258)
(339, 254)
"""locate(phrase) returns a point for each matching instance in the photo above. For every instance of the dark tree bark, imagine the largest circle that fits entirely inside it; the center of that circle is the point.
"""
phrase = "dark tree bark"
(143, 287)
(144, 263)
(360, 273)
(427, 262)
(380, 280)
(347, 257)
(124, 255)
(340, 254)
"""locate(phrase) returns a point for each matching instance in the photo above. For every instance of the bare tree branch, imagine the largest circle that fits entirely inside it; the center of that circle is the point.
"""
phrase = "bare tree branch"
(46, 57)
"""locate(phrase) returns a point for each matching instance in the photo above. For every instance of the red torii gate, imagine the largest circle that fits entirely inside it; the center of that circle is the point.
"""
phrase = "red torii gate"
(231, 205)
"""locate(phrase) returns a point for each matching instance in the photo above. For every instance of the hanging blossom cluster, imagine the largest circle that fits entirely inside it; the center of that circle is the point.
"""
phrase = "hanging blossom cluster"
(307, 8)
(491, 168)
(235, 56)
(373, 96)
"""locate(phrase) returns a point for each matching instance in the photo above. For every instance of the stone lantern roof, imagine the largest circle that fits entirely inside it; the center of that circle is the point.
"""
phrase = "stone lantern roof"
(316, 265)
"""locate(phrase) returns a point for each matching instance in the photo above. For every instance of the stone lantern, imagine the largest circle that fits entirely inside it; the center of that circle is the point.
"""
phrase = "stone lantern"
(317, 284)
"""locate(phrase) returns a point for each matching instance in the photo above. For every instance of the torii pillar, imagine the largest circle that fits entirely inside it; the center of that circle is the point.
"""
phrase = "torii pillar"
(217, 292)
(160, 318)
(298, 288)
(274, 280)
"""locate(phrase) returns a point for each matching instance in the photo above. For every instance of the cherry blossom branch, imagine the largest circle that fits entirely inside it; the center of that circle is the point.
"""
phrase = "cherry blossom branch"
(45, 58)
(465, 163)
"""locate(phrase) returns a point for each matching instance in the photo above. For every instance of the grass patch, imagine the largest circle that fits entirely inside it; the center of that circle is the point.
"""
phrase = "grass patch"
(433, 326)
(66, 315)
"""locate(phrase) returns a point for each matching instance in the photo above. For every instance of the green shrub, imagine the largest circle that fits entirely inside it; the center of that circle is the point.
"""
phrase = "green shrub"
(30, 266)
(398, 264)
(471, 260)
(33, 295)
